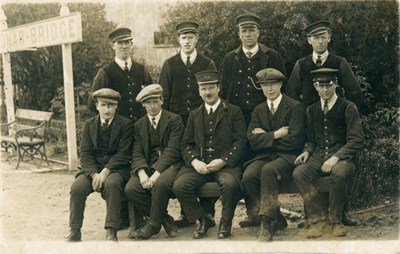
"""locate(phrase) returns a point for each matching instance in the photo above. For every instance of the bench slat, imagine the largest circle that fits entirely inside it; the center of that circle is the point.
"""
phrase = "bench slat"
(33, 115)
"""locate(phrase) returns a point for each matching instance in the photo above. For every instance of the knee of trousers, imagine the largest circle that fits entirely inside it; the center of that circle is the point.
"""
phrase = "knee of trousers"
(298, 174)
(132, 189)
(179, 189)
(79, 189)
(338, 181)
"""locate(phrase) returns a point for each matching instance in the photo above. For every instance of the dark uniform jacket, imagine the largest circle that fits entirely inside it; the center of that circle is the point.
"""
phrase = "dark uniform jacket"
(229, 138)
(237, 88)
(171, 129)
(289, 113)
(117, 158)
(300, 85)
(181, 93)
(338, 133)
(127, 84)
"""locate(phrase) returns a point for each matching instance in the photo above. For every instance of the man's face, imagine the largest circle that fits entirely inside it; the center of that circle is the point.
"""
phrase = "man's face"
(325, 90)
(209, 93)
(122, 49)
(188, 42)
(271, 90)
(106, 109)
(153, 105)
(319, 42)
(249, 36)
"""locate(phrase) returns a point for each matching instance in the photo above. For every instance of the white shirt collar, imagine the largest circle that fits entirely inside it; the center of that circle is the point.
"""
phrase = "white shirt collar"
(121, 63)
(253, 50)
(331, 102)
(276, 102)
(214, 107)
(324, 56)
(157, 117)
(102, 121)
(192, 56)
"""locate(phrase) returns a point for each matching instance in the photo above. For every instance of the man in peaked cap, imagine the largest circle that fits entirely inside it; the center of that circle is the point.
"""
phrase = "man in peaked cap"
(123, 75)
(276, 134)
(212, 148)
(179, 83)
(156, 161)
(300, 84)
(106, 150)
(334, 137)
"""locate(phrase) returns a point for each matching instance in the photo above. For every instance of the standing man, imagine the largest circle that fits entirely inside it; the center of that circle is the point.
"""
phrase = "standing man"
(177, 73)
(123, 75)
(300, 85)
(212, 149)
(334, 137)
(106, 150)
(127, 77)
(178, 80)
(241, 65)
(276, 134)
(155, 163)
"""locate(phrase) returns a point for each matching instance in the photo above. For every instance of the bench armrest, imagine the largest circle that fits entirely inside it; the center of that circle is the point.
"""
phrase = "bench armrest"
(29, 132)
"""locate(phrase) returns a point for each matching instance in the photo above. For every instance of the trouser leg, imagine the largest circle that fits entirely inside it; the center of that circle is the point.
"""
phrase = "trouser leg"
(251, 183)
(112, 194)
(81, 188)
(231, 193)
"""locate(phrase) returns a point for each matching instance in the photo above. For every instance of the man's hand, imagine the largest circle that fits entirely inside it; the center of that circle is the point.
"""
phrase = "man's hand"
(200, 167)
(98, 180)
(216, 165)
(153, 178)
(329, 164)
(258, 131)
(302, 158)
(144, 179)
(283, 131)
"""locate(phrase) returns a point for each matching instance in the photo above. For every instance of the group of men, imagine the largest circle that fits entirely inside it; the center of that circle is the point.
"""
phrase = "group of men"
(243, 133)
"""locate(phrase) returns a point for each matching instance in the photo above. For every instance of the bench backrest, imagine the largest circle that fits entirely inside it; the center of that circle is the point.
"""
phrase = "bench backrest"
(26, 118)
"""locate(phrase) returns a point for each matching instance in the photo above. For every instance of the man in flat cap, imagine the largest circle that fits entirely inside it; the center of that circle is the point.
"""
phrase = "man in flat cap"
(212, 149)
(179, 83)
(156, 160)
(105, 156)
(334, 137)
(300, 85)
(276, 134)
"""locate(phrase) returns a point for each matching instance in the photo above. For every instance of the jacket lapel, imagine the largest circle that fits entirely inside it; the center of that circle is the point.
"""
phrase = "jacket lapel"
(282, 111)
(162, 125)
(220, 113)
(263, 117)
(115, 127)
(199, 126)
(94, 130)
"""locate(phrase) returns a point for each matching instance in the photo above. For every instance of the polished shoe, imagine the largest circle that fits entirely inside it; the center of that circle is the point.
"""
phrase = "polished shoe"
(146, 232)
(169, 226)
(74, 235)
(205, 223)
(250, 221)
(182, 222)
(281, 224)
(267, 231)
(347, 221)
(131, 232)
(111, 234)
(224, 230)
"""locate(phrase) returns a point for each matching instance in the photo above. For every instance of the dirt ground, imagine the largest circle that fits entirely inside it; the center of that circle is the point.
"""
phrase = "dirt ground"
(34, 212)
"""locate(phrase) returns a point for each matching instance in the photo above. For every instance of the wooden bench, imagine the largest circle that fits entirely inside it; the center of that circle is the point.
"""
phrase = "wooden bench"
(212, 189)
(27, 134)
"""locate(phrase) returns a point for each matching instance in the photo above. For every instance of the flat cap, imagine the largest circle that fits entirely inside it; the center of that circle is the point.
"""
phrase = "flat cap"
(248, 20)
(269, 75)
(187, 26)
(317, 28)
(150, 91)
(207, 77)
(107, 94)
(120, 34)
(325, 75)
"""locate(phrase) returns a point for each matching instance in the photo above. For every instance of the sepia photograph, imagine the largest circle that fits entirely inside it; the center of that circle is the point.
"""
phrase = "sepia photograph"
(199, 126)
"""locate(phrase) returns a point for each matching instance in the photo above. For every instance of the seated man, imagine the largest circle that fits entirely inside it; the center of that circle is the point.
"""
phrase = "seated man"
(334, 137)
(105, 149)
(212, 148)
(155, 163)
(276, 134)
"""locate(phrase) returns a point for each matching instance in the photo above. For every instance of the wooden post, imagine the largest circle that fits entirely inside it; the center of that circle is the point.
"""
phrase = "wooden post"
(8, 86)
(69, 98)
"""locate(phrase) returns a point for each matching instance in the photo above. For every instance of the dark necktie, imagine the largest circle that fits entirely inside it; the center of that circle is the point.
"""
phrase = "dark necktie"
(211, 111)
(272, 109)
(326, 109)
(153, 123)
(319, 61)
(104, 126)
(249, 54)
(188, 62)
(126, 67)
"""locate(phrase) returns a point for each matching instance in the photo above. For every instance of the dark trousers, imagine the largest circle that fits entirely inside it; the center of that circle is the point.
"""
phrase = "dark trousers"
(262, 186)
(305, 177)
(81, 188)
(154, 202)
(186, 184)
